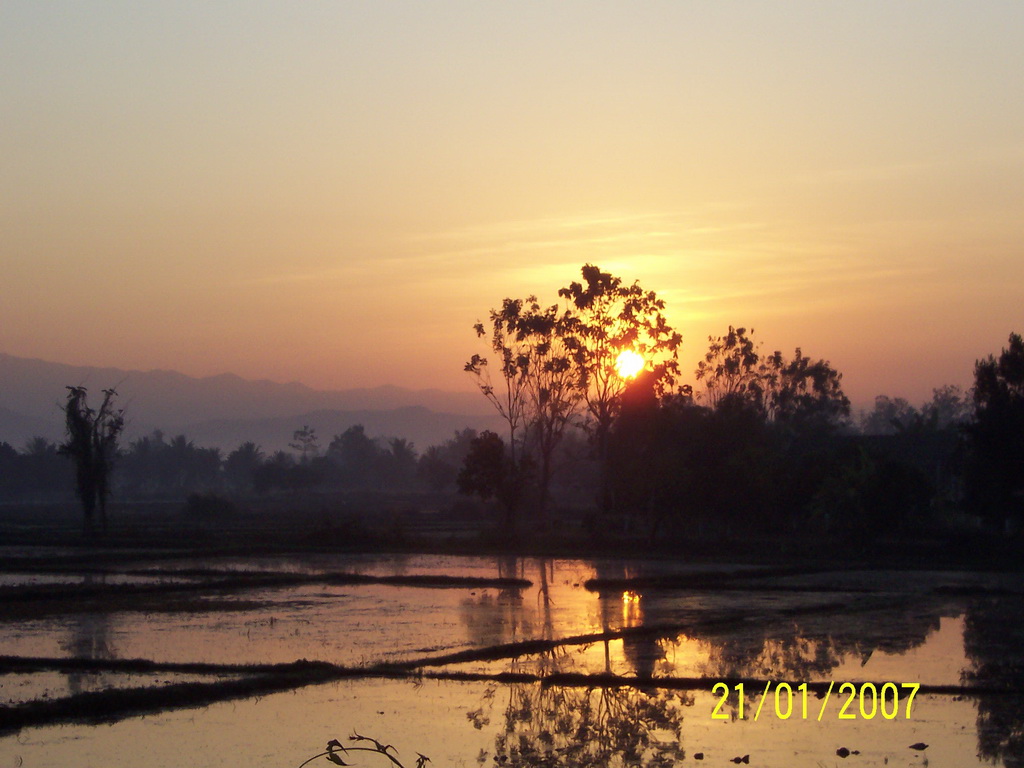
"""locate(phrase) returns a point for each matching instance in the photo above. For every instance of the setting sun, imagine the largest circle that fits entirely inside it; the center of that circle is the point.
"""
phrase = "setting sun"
(628, 364)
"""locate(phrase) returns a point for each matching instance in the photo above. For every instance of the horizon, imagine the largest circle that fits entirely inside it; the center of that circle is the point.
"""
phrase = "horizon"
(332, 195)
(857, 407)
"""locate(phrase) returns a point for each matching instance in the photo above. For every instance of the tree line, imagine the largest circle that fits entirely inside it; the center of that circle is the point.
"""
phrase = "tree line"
(598, 426)
(764, 442)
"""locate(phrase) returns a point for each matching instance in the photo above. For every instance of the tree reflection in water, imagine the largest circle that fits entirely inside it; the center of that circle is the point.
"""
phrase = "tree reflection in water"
(554, 725)
(547, 725)
(88, 638)
(812, 647)
(993, 641)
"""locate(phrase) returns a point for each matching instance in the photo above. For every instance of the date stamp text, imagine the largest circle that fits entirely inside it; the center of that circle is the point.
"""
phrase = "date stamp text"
(845, 701)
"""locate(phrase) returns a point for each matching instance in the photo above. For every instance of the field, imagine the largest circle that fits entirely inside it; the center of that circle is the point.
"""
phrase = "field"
(167, 658)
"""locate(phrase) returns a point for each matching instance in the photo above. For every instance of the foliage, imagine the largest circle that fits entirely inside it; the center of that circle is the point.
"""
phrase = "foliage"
(948, 408)
(995, 471)
(554, 398)
(305, 441)
(357, 458)
(400, 463)
(806, 392)
(511, 398)
(91, 441)
(733, 369)
(154, 466)
(888, 416)
(610, 317)
(241, 465)
(559, 363)
(591, 727)
(438, 467)
(867, 496)
(491, 473)
(798, 392)
(37, 473)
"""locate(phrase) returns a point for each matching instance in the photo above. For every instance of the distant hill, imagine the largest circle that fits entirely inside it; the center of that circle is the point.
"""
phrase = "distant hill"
(227, 409)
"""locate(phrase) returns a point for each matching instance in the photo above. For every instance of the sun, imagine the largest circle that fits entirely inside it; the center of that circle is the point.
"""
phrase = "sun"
(628, 364)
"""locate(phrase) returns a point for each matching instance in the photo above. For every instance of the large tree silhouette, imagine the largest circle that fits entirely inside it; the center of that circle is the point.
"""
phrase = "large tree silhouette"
(610, 317)
(995, 472)
(557, 362)
(92, 444)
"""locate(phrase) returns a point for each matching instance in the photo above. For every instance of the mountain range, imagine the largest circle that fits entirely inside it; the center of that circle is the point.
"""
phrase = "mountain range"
(226, 410)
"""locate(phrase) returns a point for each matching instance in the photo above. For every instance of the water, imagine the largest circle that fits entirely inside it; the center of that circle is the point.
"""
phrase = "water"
(935, 629)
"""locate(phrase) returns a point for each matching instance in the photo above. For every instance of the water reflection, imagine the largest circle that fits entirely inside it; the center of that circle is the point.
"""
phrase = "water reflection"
(886, 633)
(993, 641)
(553, 725)
(908, 637)
(89, 638)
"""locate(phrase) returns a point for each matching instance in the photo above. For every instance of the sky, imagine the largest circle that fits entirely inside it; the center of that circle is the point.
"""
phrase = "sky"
(335, 192)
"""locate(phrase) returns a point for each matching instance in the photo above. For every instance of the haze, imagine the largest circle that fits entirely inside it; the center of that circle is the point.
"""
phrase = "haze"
(334, 193)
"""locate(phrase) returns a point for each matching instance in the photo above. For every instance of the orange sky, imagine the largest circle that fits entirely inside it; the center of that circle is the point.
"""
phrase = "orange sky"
(335, 192)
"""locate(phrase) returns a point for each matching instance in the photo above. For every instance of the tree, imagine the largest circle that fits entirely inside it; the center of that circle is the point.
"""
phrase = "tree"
(9, 480)
(806, 393)
(439, 464)
(545, 334)
(607, 319)
(241, 465)
(797, 392)
(305, 442)
(357, 456)
(611, 318)
(888, 416)
(949, 407)
(510, 397)
(556, 362)
(995, 470)
(92, 444)
(275, 473)
(489, 472)
(733, 368)
(400, 462)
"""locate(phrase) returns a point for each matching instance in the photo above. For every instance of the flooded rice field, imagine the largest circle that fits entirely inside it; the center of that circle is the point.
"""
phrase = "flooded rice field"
(136, 660)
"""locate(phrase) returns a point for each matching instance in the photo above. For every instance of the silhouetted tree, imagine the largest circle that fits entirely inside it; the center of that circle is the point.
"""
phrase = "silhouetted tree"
(274, 473)
(8, 470)
(305, 442)
(188, 467)
(439, 465)
(510, 397)
(557, 362)
(995, 470)
(798, 392)
(358, 458)
(733, 368)
(540, 395)
(950, 406)
(399, 463)
(806, 393)
(92, 443)
(887, 416)
(554, 398)
(609, 317)
(490, 473)
(241, 465)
